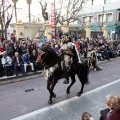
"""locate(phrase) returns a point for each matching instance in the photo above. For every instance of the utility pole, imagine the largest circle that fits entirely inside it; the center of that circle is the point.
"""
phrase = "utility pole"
(102, 16)
(55, 17)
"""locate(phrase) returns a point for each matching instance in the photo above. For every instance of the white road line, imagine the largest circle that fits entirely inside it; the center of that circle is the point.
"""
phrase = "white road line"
(63, 102)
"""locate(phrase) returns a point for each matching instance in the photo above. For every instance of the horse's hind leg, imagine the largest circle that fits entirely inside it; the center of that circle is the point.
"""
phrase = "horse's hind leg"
(83, 83)
(73, 81)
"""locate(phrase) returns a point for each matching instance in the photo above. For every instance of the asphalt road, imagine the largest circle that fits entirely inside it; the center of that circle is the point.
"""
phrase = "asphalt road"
(16, 101)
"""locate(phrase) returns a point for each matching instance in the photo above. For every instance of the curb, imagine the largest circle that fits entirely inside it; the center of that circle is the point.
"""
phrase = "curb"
(105, 61)
(13, 79)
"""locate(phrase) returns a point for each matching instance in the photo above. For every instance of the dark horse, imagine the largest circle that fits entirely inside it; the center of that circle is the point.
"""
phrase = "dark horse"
(50, 59)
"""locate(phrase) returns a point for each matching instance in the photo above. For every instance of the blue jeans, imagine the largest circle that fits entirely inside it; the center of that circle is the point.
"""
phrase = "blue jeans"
(16, 68)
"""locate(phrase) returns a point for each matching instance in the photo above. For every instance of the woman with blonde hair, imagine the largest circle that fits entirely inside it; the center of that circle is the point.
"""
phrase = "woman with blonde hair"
(113, 103)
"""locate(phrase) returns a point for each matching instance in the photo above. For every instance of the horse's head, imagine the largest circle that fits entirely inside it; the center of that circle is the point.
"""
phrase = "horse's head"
(49, 56)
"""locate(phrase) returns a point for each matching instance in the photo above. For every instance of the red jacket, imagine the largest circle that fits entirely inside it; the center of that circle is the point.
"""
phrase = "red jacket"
(1, 49)
(114, 115)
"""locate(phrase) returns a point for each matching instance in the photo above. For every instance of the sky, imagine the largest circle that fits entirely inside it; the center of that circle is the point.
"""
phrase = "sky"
(35, 9)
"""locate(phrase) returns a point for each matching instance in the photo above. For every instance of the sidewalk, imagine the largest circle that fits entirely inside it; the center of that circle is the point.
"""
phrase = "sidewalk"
(12, 79)
(72, 109)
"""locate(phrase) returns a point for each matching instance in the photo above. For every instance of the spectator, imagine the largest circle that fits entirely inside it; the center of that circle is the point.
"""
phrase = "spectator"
(16, 48)
(13, 37)
(23, 48)
(107, 110)
(1, 47)
(1, 39)
(33, 58)
(87, 116)
(1, 67)
(26, 61)
(31, 48)
(8, 49)
(7, 64)
(113, 103)
(38, 64)
(17, 63)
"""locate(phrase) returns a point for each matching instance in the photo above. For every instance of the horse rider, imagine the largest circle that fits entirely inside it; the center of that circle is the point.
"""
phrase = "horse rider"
(68, 48)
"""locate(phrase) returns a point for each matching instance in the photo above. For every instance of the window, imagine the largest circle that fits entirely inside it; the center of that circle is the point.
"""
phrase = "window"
(119, 16)
(84, 19)
(100, 18)
(109, 17)
(91, 19)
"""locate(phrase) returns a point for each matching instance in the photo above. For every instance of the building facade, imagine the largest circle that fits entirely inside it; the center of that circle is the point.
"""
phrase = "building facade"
(99, 13)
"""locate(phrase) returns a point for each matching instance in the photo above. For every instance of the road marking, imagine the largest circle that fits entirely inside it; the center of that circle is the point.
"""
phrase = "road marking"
(62, 102)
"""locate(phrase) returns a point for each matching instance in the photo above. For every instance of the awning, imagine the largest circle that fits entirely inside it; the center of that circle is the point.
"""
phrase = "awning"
(94, 28)
(111, 27)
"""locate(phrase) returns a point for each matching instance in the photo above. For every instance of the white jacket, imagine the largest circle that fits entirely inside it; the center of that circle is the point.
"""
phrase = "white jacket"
(9, 60)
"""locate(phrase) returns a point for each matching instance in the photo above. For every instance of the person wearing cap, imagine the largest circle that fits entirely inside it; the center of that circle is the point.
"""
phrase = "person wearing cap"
(27, 61)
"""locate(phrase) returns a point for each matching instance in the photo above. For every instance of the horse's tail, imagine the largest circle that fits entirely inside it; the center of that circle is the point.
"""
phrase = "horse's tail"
(84, 72)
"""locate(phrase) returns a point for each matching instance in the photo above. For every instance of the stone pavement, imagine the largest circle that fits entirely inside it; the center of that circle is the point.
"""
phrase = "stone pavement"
(15, 101)
(72, 109)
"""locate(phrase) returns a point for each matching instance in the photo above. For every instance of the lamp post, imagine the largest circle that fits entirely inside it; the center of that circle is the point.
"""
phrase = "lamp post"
(116, 31)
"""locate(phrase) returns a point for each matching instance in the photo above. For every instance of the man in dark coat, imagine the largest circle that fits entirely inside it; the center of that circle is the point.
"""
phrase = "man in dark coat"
(17, 63)
(33, 57)
(104, 113)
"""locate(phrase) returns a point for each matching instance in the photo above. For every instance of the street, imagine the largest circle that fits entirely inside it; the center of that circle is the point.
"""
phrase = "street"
(23, 97)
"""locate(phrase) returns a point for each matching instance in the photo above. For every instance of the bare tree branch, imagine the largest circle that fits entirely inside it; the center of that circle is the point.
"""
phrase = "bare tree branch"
(44, 8)
(68, 12)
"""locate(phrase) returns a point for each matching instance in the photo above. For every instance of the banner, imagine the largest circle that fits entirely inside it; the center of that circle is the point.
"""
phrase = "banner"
(52, 15)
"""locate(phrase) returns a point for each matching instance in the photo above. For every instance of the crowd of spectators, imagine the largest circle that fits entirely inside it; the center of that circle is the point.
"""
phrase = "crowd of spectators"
(19, 55)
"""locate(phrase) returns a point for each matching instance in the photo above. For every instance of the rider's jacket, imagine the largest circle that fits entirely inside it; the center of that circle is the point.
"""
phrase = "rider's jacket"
(71, 46)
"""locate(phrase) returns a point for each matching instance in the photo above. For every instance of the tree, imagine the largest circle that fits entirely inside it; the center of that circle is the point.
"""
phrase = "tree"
(15, 3)
(43, 5)
(68, 12)
(4, 24)
(29, 3)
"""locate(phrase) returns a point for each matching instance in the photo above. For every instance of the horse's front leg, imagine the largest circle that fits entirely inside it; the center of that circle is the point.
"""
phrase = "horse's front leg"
(73, 81)
(48, 85)
(81, 90)
(52, 94)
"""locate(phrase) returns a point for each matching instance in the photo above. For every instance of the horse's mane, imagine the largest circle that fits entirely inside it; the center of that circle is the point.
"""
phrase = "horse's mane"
(50, 56)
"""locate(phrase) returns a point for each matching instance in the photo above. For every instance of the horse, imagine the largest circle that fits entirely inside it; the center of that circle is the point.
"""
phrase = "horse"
(51, 59)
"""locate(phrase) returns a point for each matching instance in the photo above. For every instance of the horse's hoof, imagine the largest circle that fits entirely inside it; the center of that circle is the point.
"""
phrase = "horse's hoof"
(54, 95)
(50, 101)
(79, 94)
(67, 92)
